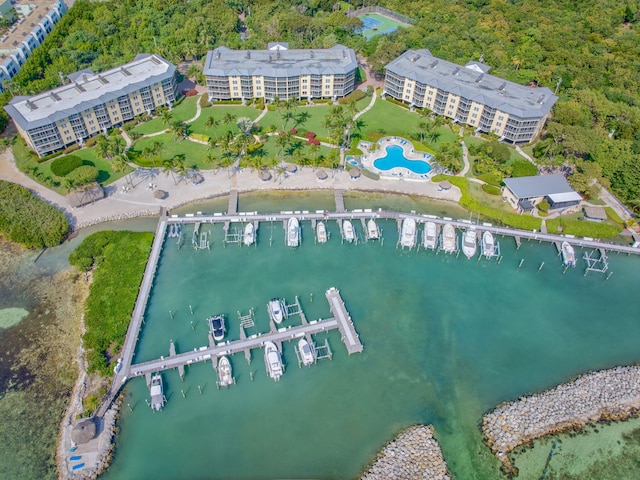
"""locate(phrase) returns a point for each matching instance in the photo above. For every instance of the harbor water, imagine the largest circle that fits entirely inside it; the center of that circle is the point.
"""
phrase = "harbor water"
(445, 339)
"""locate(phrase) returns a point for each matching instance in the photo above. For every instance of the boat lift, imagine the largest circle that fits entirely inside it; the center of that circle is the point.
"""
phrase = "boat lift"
(292, 309)
(233, 235)
(598, 264)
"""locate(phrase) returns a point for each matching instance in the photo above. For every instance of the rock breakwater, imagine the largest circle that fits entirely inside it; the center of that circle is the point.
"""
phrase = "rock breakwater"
(604, 395)
(414, 454)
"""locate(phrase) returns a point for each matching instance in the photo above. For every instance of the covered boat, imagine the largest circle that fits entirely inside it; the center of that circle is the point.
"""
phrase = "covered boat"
(276, 310)
(488, 245)
(217, 327)
(430, 237)
(470, 242)
(347, 231)
(568, 254)
(373, 232)
(225, 378)
(156, 390)
(307, 353)
(321, 232)
(249, 234)
(408, 235)
(273, 361)
(449, 240)
(293, 232)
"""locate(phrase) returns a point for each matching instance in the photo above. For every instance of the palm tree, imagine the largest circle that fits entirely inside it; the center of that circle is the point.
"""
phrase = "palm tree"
(228, 118)
(314, 150)
(178, 129)
(213, 124)
(283, 141)
(121, 164)
(302, 117)
(102, 146)
(166, 117)
(212, 159)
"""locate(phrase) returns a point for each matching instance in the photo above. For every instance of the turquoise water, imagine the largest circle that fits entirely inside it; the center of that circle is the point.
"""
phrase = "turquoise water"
(445, 340)
(395, 158)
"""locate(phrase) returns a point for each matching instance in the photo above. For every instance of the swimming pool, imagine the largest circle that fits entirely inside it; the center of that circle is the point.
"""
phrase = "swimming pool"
(395, 158)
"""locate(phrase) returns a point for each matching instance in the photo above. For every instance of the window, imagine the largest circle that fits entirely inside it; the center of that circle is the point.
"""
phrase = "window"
(499, 124)
(500, 118)
(474, 115)
(235, 82)
(475, 109)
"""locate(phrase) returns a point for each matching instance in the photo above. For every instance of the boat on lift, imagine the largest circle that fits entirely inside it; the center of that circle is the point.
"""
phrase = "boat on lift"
(470, 242)
(276, 310)
(347, 231)
(568, 254)
(273, 361)
(430, 237)
(156, 390)
(293, 232)
(249, 234)
(408, 235)
(449, 240)
(307, 353)
(488, 245)
(217, 327)
(373, 232)
(225, 378)
(321, 232)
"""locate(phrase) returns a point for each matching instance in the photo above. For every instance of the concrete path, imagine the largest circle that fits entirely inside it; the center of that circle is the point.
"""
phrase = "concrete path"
(368, 107)
(262, 114)
(465, 159)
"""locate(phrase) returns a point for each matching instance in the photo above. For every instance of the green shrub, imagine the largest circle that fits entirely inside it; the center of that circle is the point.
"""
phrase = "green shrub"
(254, 147)
(544, 206)
(582, 228)
(491, 189)
(119, 259)
(204, 101)
(62, 166)
(352, 97)
(83, 175)
(397, 102)
(491, 179)
(46, 157)
(200, 136)
(27, 220)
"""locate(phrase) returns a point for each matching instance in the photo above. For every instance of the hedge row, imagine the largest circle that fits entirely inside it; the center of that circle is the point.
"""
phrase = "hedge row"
(27, 220)
(581, 228)
(119, 259)
(472, 204)
(62, 166)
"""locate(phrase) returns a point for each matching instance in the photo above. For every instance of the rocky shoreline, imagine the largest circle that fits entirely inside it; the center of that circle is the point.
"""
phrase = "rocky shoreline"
(612, 394)
(413, 454)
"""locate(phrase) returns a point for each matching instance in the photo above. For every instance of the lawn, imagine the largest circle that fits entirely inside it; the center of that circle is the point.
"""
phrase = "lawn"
(218, 112)
(41, 172)
(316, 116)
(182, 112)
(195, 153)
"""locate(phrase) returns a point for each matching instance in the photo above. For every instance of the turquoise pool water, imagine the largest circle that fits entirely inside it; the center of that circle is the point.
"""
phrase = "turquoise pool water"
(395, 158)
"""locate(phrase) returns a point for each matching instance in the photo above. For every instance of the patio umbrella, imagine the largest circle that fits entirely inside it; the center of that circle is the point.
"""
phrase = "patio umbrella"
(264, 175)
(160, 194)
(355, 173)
(321, 175)
(445, 185)
(290, 168)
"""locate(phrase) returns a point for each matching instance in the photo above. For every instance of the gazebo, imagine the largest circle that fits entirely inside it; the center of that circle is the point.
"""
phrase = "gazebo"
(84, 431)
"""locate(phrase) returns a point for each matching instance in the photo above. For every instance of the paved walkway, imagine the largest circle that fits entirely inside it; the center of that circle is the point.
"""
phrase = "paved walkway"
(368, 107)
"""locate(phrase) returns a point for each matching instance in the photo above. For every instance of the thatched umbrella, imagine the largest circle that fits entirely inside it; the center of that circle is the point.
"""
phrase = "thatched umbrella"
(160, 194)
(290, 168)
(265, 175)
(321, 175)
(196, 178)
(84, 431)
(445, 185)
(355, 173)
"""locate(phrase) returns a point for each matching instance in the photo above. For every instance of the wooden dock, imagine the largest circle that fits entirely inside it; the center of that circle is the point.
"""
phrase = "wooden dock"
(350, 337)
(338, 195)
(232, 209)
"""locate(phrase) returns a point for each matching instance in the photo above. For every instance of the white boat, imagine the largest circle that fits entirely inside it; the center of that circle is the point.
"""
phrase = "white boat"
(306, 352)
(321, 232)
(568, 255)
(293, 232)
(347, 231)
(118, 366)
(373, 232)
(469, 242)
(225, 378)
(488, 245)
(217, 327)
(408, 235)
(449, 240)
(276, 312)
(430, 237)
(273, 361)
(249, 234)
(156, 391)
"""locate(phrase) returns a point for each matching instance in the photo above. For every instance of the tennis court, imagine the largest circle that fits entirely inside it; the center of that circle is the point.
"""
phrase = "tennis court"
(376, 24)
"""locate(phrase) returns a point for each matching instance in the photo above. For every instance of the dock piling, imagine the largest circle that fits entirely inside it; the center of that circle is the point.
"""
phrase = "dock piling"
(521, 262)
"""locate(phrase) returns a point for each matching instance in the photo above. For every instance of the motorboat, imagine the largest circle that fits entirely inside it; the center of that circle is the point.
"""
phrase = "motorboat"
(249, 234)
(449, 239)
(408, 235)
(273, 361)
(568, 254)
(217, 327)
(225, 378)
(156, 391)
(430, 237)
(306, 352)
(373, 232)
(470, 242)
(276, 310)
(321, 232)
(347, 231)
(293, 232)
(488, 245)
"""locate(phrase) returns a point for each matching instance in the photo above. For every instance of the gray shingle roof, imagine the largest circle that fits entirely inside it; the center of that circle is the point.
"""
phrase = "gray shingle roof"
(512, 98)
(87, 91)
(538, 185)
(224, 62)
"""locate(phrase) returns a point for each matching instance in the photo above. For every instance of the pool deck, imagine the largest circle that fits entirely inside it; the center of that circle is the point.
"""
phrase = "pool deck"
(398, 173)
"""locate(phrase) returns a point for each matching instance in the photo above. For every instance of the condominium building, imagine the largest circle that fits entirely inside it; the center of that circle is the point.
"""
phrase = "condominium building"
(280, 72)
(468, 94)
(35, 20)
(92, 103)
